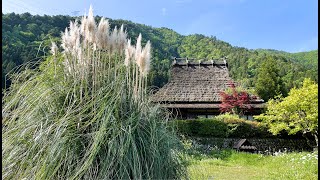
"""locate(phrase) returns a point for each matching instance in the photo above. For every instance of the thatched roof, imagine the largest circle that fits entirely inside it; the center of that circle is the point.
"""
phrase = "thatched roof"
(195, 84)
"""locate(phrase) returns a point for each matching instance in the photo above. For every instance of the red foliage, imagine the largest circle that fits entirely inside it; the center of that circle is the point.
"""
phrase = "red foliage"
(236, 102)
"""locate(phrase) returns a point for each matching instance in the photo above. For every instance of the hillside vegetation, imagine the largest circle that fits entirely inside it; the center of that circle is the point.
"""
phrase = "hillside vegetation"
(27, 38)
(309, 59)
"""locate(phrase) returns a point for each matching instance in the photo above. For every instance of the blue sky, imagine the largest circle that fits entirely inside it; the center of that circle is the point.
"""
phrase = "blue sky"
(288, 25)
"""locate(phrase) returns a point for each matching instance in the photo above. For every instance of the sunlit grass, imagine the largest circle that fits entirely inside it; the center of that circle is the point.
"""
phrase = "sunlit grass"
(246, 166)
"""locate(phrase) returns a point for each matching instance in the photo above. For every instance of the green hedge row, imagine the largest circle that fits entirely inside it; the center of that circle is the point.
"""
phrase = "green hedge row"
(224, 128)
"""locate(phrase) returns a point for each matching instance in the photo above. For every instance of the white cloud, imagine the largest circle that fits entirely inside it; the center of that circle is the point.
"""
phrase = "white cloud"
(164, 11)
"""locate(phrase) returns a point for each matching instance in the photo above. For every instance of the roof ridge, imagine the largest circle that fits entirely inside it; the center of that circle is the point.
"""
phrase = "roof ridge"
(204, 61)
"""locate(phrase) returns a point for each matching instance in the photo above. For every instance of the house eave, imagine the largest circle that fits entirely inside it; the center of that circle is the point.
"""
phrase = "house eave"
(204, 105)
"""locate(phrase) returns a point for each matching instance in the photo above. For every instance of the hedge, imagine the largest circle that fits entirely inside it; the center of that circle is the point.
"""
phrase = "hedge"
(224, 128)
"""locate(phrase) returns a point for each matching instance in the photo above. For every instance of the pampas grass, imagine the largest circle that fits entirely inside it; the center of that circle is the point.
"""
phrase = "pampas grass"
(85, 113)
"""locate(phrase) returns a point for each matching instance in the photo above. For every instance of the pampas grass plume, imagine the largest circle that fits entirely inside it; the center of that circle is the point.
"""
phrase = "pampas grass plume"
(147, 58)
(102, 34)
(83, 26)
(65, 40)
(129, 53)
(144, 59)
(91, 26)
(138, 49)
(114, 39)
(122, 38)
(54, 48)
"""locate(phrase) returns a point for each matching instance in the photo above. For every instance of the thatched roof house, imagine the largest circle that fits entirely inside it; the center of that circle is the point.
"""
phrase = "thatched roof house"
(194, 88)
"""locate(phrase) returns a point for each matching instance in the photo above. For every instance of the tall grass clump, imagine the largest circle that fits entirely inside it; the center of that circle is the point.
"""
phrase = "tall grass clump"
(85, 113)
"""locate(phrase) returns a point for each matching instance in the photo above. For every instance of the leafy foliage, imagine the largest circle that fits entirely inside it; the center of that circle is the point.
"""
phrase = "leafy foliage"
(309, 58)
(224, 127)
(298, 112)
(237, 102)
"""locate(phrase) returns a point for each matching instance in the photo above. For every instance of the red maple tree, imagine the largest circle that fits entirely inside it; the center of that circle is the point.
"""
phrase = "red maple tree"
(236, 102)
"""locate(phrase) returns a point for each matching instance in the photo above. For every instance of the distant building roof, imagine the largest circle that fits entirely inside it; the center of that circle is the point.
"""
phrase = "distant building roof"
(244, 144)
(196, 84)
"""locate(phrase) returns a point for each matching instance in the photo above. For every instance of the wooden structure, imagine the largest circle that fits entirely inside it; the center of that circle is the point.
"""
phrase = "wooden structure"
(194, 88)
(244, 145)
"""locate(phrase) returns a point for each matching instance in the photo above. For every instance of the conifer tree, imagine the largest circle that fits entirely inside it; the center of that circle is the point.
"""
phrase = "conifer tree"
(269, 83)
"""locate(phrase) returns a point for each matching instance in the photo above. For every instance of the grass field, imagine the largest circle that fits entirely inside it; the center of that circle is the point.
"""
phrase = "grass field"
(229, 164)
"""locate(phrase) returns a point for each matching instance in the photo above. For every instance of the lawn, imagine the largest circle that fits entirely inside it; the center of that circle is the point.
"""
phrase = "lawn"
(229, 164)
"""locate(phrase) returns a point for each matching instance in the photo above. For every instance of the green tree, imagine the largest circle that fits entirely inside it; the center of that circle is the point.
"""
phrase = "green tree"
(269, 83)
(298, 112)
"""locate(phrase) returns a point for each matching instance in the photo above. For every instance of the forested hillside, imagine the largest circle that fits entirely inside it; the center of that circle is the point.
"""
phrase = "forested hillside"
(27, 38)
(309, 58)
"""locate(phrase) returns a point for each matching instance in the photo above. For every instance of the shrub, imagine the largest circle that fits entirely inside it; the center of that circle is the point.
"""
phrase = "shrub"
(201, 127)
(212, 127)
(222, 126)
(240, 128)
(186, 127)
(85, 113)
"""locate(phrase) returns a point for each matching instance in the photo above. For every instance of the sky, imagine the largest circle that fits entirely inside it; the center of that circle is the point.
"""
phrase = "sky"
(287, 25)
